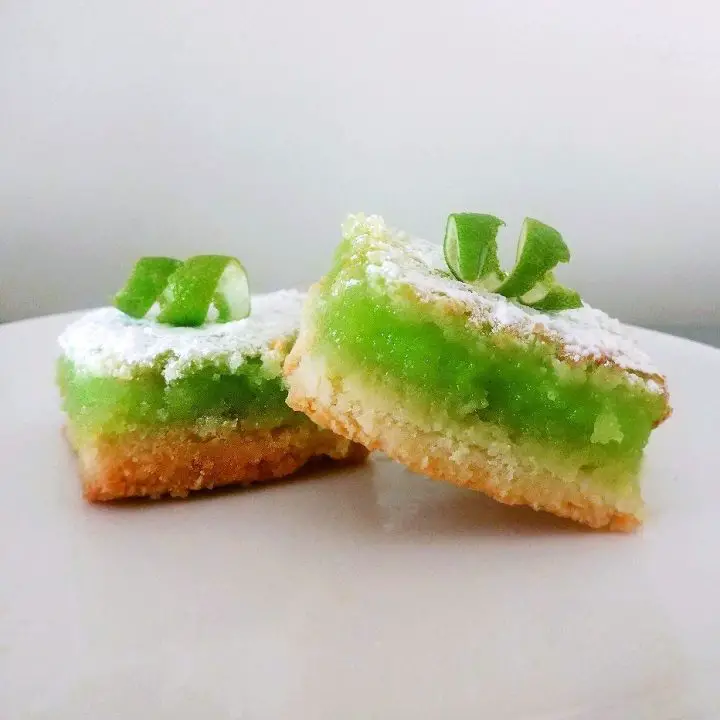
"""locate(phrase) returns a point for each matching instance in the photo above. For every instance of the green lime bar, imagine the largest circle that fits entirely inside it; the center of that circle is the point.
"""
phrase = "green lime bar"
(550, 410)
(157, 410)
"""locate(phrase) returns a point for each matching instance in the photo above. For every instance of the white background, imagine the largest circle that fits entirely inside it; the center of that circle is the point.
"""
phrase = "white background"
(179, 126)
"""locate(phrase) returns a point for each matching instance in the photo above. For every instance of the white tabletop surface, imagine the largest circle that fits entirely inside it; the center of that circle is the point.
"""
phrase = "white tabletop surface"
(365, 593)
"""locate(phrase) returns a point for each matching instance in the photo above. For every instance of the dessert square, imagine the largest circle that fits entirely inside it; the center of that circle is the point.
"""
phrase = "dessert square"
(156, 410)
(550, 410)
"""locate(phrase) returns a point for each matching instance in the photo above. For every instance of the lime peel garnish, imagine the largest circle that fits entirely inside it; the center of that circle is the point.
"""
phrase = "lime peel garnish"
(470, 248)
(470, 245)
(540, 249)
(187, 292)
(146, 282)
(557, 298)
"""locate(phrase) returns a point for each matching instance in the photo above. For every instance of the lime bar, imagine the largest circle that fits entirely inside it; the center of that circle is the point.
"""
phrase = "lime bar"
(547, 409)
(157, 410)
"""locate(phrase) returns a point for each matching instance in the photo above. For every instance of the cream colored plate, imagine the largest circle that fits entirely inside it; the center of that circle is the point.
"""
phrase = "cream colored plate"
(369, 593)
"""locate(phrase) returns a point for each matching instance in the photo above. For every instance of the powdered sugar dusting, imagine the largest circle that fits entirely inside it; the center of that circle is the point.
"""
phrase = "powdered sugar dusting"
(108, 342)
(580, 334)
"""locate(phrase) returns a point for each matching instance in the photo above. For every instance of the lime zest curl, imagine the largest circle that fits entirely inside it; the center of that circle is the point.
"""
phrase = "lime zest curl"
(540, 248)
(475, 256)
(147, 280)
(470, 248)
(187, 293)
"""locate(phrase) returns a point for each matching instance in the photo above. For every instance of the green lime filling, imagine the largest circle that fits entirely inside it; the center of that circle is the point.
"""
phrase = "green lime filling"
(209, 396)
(469, 377)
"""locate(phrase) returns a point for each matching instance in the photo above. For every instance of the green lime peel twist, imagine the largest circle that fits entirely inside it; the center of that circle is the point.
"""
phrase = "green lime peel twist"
(186, 291)
(470, 248)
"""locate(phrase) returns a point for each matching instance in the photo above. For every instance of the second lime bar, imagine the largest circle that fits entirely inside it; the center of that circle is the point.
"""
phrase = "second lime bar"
(551, 410)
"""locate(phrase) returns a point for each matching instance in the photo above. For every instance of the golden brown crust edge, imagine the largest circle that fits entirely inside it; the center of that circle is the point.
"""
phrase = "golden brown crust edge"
(176, 462)
(431, 454)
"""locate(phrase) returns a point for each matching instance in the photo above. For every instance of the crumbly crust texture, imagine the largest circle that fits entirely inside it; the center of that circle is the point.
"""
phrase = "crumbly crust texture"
(334, 404)
(175, 462)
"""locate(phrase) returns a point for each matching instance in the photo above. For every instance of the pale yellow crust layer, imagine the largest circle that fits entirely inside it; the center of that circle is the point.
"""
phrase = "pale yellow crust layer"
(333, 405)
(176, 462)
